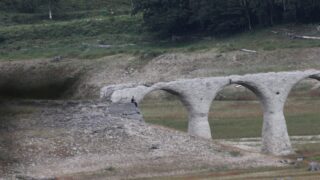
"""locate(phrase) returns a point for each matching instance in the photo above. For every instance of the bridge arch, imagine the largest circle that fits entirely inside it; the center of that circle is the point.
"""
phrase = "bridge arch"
(315, 76)
(302, 105)
(254, 92)
(254, 88)
(165, 107)
(194, 103)
(180, 95)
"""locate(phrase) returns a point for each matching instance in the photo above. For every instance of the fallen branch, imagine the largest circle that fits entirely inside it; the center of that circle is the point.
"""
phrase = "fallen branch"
(248, 50)
(308, 37)
(294, 36)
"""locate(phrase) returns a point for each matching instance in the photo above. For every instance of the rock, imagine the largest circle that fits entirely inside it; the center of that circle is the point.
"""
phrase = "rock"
(126, 110)
(284, 161)
(314, 166)
(300, 158)
(155, 146)
(56, 59)
(107, 91)
(24, 177)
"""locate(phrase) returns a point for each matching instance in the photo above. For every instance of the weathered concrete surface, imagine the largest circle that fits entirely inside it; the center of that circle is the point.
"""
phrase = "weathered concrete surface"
(272, 89)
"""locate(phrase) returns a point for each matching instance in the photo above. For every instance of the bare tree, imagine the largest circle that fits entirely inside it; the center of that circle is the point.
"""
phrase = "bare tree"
(52, 4)
(50, 9)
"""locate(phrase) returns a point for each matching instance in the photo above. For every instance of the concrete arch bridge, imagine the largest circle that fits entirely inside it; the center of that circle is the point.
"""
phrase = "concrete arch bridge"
(272, 90)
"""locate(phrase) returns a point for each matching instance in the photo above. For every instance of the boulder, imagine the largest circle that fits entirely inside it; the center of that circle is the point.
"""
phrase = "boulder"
(314, 166)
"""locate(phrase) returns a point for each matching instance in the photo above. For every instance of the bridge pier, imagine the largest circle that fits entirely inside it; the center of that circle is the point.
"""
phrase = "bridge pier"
(199, 97)
(273, 92)
(275, 138)
(198, 124)
(276, 89)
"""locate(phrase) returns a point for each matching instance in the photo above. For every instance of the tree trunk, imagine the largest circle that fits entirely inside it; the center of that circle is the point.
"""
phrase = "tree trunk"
(132, 7)
(245, 5)
(248, 15)
(271, 6)
(50, 10)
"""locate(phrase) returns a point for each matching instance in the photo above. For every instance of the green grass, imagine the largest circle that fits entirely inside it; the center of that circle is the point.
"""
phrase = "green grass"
(235, 119)
(79, 34)
(304, 124)
(67, 11)
(163, 112)
(264, 39)
(76, 38)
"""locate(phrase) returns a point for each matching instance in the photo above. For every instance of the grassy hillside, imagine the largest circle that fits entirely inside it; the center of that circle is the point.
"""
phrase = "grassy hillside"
(67, 10)
(68, 38)
(107, 28)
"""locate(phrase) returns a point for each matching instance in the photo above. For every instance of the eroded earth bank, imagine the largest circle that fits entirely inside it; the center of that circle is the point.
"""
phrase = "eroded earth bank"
(92, 139)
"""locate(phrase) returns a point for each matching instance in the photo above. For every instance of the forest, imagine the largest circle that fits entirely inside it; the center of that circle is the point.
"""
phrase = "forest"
(41, 6)
(174, 17)
(34, 10)
(183, 17)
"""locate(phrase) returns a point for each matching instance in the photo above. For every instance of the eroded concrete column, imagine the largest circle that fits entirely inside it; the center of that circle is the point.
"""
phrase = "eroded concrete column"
(198, 98)
(194, 95)
(198, 124)
(275, 138)
(272, 90)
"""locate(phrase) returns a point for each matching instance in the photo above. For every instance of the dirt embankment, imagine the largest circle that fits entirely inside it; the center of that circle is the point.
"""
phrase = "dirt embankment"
(91, 139)
(71, 78)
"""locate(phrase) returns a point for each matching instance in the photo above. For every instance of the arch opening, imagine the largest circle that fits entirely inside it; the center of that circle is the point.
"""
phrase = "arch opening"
(302, 110)
(165, 108)
(236, 112)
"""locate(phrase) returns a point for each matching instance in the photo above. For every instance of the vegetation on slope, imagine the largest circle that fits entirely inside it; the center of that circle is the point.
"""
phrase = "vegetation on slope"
(79, 30)
(101, 36)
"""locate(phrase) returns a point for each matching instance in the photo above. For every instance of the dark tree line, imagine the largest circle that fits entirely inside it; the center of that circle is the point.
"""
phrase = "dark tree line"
(172, 17)
(40, 6)
(30, 6)
(54, 7)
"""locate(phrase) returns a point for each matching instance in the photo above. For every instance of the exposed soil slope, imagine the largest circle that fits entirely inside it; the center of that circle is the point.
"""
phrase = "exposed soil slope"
(62, 138)
(70, 78)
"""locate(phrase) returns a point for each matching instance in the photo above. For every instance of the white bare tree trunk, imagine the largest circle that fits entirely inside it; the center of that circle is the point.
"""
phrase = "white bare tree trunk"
(50, 11)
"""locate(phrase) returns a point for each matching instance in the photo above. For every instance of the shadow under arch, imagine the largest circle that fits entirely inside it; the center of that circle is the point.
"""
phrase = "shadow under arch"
(165, 107)
(241, 114)
(301, 109)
